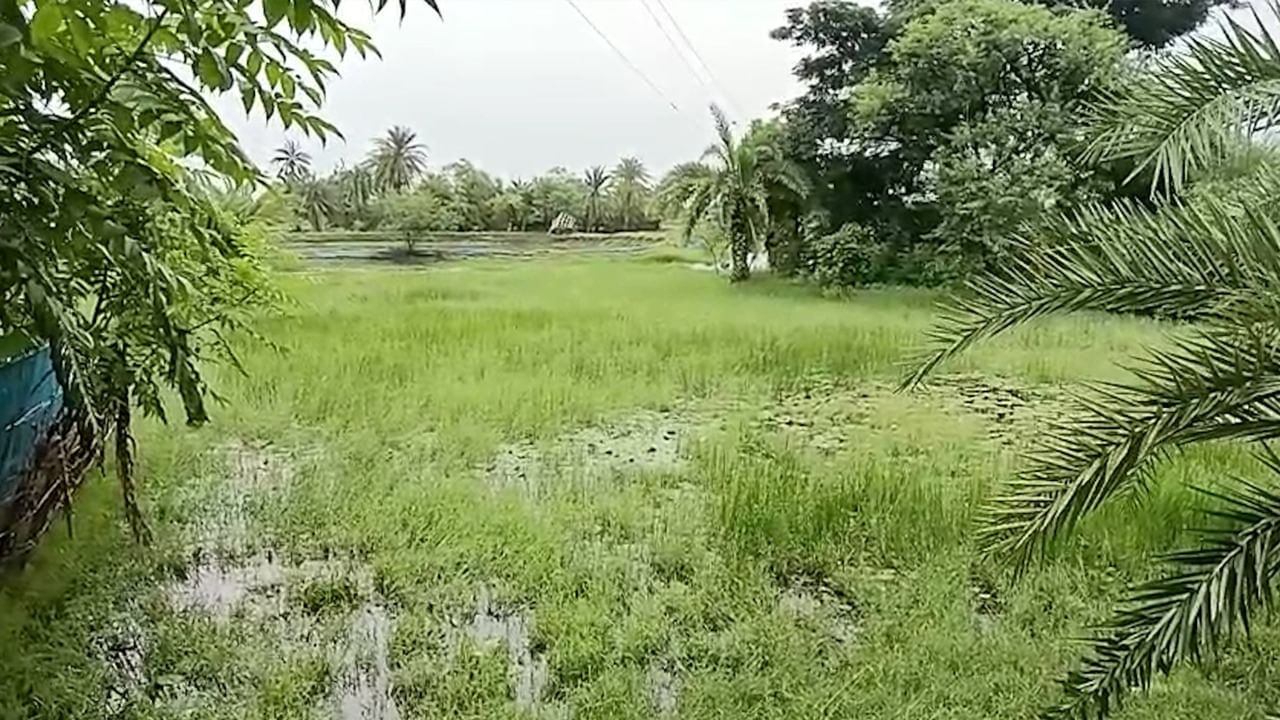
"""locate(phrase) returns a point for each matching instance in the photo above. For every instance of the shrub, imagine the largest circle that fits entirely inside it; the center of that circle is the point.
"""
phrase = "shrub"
(848, 257)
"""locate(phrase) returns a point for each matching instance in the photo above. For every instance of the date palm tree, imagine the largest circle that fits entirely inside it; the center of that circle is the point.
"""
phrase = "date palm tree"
(734, 187)
(1214, 259)
(630, 183)
(397, 159)
(291, 163)
(317, 201)
(596, 179)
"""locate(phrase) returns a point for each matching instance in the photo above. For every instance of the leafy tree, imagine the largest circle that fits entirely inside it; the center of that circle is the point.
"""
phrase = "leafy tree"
(417, 213)
(516, 203)
(876, 168)
(596, 179)
(1151, 23)
(472, 192)
(736, 187)
(292, 164)
(397, 159)
(555, 193)
(110, 249)
(967, 90)
(1212, 258)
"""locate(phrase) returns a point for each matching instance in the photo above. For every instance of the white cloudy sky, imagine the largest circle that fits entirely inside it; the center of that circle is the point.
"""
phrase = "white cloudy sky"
(518, 86)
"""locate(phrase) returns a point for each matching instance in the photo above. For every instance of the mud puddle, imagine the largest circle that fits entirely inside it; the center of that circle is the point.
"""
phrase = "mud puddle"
(280, 610)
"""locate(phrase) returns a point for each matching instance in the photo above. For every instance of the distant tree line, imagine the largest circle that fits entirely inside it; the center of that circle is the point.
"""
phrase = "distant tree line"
(394, 189)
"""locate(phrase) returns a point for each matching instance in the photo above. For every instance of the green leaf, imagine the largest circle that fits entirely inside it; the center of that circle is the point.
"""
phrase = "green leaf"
(254, 63)
(9, 35)
(234, 51)
(274, 71)
(274, 10)
(81, 35)
(45, 22)
(212, 72)
(302, 15)
(287, 86)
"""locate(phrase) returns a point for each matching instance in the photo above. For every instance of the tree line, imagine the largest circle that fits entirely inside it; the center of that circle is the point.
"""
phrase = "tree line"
(394, 189)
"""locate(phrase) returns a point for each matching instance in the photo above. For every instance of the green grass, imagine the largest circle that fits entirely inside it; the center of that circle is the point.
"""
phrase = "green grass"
(513, 237)
(396, 388)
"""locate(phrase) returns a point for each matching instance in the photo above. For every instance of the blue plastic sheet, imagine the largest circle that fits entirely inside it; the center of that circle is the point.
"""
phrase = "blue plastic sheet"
(30, 399)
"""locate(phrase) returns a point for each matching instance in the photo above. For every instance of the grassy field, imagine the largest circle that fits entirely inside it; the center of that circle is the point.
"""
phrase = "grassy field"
(512, 237)
(602, 489)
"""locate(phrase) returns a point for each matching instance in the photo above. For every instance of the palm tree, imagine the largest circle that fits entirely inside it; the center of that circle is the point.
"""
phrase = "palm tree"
(397, 159)
(631, 182)
(317, 202)
(736, 187)
(1212, 259)
(596, 179)
(354, 191)
(292, 164)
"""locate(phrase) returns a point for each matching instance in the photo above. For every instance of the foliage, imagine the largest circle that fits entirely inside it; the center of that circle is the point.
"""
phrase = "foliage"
(989, 180)
(1152, 24)
(417, 213)
(292, 164)
(1196, 107)
(596, 179)
(397, 159)
(850, 257)
(735, 187)
(1212, 259)
(110, 249)
(630, 185)
(944, 92)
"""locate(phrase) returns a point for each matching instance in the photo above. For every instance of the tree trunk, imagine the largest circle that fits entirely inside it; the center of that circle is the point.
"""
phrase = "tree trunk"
(740, 246)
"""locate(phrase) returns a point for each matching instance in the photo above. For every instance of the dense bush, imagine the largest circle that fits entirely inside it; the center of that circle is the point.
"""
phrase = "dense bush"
(850, 256)
(940, 127)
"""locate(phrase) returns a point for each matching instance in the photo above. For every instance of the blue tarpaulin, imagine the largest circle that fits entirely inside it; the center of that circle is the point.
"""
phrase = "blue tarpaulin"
(30, 399)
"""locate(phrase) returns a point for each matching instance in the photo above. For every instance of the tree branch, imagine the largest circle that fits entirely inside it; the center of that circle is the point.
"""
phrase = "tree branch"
(64, 127)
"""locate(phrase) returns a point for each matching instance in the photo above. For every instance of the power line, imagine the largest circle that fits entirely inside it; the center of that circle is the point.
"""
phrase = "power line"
(623, 56)
(675, 47)
(697, 55)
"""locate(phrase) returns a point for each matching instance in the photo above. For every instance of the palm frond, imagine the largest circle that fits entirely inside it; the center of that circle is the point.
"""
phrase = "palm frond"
(1190, 613)
(696, 206)
(724, 131)
(1179, 260)
(1216, 384)
(1196, 105)
(789, 175)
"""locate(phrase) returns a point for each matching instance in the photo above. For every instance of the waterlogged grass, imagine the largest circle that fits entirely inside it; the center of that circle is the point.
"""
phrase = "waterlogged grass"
(799, 561)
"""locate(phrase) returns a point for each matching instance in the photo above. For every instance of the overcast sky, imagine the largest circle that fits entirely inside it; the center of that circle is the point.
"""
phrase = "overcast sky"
(519, 86)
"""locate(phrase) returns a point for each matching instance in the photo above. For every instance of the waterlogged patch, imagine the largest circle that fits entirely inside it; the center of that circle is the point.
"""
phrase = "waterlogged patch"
(362, 689)
(643, 442)
(489, 625)
(283, 614)
(664, 688)
(820, 607)
(832, 418)
(221, 588)
(1014, 411)
(253, 474)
